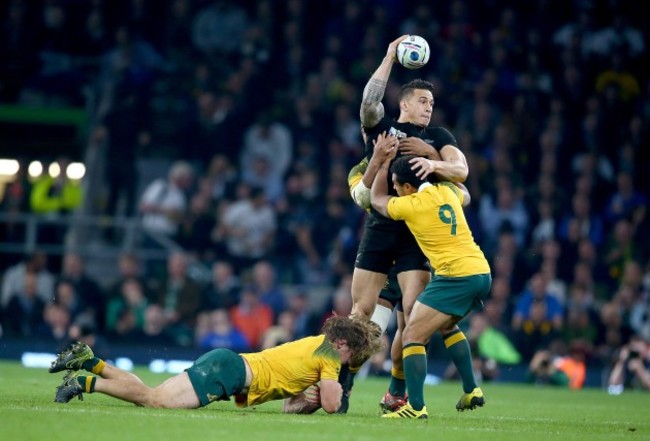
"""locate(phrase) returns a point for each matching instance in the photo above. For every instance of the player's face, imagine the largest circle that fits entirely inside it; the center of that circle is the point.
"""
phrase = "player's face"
(417, 107)
(399, 188)
(402, 189)
(345, 353)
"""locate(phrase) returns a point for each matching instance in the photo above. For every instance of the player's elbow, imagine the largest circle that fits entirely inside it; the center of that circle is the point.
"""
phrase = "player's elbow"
(379, 204)
(461, 173)
(361, 195)
(373, 202)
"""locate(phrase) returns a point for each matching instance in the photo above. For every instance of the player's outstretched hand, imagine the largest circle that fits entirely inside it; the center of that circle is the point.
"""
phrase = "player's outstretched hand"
(423, 167)
(392, 47)
(385, 147)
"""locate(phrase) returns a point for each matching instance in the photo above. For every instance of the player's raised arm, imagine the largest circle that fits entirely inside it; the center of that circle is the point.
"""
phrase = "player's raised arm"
(372, 110)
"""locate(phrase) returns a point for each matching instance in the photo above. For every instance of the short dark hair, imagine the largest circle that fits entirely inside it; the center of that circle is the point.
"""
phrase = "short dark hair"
(403, 173)
(408, 88)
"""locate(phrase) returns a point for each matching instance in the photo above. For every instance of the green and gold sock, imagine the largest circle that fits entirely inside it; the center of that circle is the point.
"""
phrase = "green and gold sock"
(94, 365)
(461, 354)
(87, 382)
(415, 371)
(397, 385)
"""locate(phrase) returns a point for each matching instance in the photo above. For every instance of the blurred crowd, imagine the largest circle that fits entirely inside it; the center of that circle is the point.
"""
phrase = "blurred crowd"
(257, 102)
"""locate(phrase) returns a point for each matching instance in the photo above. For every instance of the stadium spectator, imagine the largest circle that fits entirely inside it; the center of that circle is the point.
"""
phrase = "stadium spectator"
(626, 202)
(270, 140)
(506, 208)
(223, 288)
(220, 332)
(221, 176)
(197, 224)
(547, 367)
(57, 320)
(620, 249)
(129, 267)
(252, 317)
(306, 322)
(283, 332)
(631, 368)
(126, 313)
(247, 227)
(164, 200)
(155, 331)
(491, 344)
(537, 318)
(23, 315)
(264, 281)
(341, 303)
(13, 279)
(91, 295)
(180, 298)
(67, 296)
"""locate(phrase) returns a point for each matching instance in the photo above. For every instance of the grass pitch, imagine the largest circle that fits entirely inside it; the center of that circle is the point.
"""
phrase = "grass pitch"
(512, 412)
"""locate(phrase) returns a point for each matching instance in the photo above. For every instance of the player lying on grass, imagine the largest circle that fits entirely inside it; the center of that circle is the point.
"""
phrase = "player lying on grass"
(273, 374)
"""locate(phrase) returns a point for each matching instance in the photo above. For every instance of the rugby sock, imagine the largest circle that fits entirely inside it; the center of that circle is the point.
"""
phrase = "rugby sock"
(461, 354)
(381, 317)
(353, 371)
(94, 365)
(346, 380)
(397, 383)
(415, 371)
(87, 382)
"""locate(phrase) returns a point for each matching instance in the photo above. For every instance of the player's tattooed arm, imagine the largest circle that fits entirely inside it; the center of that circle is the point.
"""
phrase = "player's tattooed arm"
(372, 109)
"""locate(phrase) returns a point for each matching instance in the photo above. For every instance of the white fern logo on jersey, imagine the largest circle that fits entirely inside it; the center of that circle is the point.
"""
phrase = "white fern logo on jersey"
(396, 133)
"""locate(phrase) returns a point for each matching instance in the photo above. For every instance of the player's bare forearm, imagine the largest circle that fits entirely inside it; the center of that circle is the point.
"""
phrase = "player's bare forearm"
(372, 110)
(454, 171)
(379, 192)
(330, 395)
(306, 402)
(453, 166)
(371, 171)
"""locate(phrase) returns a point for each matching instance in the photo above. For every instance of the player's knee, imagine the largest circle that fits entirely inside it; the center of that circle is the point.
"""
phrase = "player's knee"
(158, 398)
(446, 329)
(407, 307)
(406, 335)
